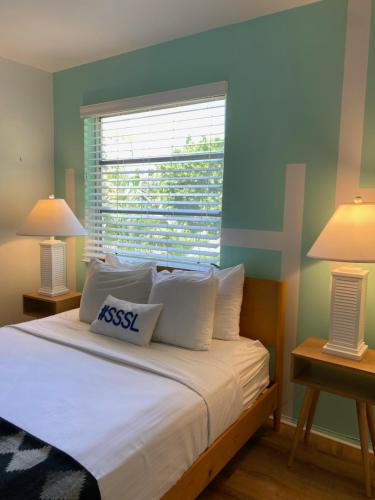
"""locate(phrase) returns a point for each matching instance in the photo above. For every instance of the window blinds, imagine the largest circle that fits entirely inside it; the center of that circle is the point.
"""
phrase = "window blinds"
(153, 182)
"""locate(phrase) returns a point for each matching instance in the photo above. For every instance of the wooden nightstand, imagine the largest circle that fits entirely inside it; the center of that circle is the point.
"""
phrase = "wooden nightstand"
(319, 371)
(39, 306)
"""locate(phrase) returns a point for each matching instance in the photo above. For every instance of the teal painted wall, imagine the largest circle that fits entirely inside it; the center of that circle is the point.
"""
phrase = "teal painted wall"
(285, 74)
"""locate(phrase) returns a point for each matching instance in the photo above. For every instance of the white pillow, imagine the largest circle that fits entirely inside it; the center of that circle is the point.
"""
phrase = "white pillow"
(188, 313)
(228, 303)
(228, 300)
(126, 321)
(117, 261)
(103, 280)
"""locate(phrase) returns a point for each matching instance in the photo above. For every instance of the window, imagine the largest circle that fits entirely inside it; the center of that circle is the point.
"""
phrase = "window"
(154, 178)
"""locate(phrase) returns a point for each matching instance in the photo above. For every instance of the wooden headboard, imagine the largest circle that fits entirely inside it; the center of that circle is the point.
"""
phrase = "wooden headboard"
(263, 310)
(263, 317)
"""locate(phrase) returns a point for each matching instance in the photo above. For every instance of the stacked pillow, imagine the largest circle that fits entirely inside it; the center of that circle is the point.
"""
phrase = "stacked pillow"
(229, 302)
(184, 308)
(117, 261)
(133, 285)
(189, 306)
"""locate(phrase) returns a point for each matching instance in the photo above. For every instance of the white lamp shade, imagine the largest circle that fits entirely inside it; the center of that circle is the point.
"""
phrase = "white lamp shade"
(51, 217)
(349, 235)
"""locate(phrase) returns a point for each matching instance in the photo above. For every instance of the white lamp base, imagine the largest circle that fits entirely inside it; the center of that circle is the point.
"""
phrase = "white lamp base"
(53, 268)
(345, 352)
(348, 302)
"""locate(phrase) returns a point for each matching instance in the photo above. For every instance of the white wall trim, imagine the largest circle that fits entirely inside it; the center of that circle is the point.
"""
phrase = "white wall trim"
(70, 198)
(319, 431)
(291, 267)
(353, 103)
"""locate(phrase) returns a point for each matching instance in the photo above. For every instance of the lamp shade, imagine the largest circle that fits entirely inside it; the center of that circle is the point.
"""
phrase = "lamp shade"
(349, 235)
(51, 217)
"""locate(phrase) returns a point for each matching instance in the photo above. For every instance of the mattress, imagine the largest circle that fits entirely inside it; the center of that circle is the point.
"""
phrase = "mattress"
(125, 413)
(248, 358)
(250, 361)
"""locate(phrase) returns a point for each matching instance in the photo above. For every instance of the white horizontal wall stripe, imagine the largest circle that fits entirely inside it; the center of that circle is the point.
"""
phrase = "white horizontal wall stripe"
(249, 238)
(158, 99)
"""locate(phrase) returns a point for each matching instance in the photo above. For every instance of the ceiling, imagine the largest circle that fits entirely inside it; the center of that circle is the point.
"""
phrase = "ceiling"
(58, 34)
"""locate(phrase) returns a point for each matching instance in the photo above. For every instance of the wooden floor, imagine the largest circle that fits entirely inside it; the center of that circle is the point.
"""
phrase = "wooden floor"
(320, 471)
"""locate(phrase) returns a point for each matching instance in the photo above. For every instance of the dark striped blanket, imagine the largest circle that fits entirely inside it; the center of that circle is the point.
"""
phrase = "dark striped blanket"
(33, 470)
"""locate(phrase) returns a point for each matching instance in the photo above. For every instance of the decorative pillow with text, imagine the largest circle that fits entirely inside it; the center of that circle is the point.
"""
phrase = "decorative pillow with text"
(123, 320)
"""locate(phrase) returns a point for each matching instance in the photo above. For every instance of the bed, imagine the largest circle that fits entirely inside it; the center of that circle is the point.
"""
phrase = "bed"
(151, 423)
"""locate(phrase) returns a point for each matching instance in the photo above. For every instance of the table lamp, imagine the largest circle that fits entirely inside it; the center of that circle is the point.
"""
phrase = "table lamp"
(52, 217)
(349, 236)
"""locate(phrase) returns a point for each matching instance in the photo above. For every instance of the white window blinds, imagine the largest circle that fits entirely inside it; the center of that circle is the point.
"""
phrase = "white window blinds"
(154, 181)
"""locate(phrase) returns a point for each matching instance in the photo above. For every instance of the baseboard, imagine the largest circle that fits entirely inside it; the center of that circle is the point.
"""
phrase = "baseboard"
(330, 444)
(325, 433)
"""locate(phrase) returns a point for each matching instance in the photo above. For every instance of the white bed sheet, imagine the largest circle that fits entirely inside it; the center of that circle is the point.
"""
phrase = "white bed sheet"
(125, 413)
(251, 362)
(249, 359)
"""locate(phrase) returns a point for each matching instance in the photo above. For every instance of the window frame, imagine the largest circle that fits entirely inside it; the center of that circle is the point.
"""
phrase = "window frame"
(202, 156)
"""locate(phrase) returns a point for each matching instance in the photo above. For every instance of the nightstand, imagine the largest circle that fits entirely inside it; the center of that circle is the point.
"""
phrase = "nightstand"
(38, 306)
(319, 371)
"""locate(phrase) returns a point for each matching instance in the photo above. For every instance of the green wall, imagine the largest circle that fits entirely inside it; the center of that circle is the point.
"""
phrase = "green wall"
(285, 74)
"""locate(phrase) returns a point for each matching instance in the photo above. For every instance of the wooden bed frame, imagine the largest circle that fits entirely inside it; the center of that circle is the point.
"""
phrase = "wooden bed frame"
(262, 318)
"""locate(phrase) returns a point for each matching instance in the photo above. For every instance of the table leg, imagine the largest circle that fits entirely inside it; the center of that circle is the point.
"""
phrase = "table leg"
(362, 424)
(301, 422)
(277, 419)
(310, 417)
(371, 424)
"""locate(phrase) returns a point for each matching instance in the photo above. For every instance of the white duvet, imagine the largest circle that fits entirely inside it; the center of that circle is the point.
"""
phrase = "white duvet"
(135, 417)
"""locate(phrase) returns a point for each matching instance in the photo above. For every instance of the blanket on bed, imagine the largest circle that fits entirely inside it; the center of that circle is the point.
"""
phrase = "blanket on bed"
(33, 470)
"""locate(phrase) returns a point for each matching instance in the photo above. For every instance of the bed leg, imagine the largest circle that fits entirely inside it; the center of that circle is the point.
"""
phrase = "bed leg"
(276, 420)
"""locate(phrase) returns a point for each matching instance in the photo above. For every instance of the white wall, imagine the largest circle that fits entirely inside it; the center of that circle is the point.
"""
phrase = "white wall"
(26, 174)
